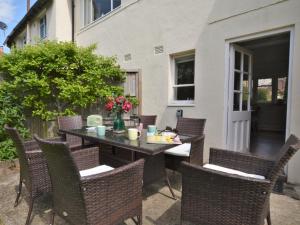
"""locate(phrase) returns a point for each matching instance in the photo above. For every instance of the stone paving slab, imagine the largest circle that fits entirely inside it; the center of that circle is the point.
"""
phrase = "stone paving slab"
(158, 208)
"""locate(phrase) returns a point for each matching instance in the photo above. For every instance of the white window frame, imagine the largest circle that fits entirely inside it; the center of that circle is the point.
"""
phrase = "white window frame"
(91, 16)
(175, 58)
(44, 18)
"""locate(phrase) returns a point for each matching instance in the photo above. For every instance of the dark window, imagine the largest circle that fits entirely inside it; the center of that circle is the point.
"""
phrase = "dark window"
(43, 27)
(184, 88)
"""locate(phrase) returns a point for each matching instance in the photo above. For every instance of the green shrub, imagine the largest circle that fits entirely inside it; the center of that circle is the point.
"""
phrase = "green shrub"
(7, 150)
(52, 79)
(58, 78)
(11, 114)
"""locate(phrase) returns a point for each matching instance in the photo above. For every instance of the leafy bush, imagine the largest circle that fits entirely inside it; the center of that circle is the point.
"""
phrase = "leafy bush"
(11, 114)
(58, 78)
(7, 150)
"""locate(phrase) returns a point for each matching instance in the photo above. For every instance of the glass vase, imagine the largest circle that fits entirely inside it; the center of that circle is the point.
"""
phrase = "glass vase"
(119, 124)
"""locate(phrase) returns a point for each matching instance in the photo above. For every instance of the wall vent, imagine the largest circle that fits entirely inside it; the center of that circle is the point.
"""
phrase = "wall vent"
(158, 49)
(127, 57)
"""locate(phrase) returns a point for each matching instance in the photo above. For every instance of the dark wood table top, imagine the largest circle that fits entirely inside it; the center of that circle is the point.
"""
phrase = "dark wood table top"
(122, 141)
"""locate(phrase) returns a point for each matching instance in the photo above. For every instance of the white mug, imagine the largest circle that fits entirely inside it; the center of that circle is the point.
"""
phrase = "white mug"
(133, 134)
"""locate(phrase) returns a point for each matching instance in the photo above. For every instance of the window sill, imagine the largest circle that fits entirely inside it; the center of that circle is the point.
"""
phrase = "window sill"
(181, 104)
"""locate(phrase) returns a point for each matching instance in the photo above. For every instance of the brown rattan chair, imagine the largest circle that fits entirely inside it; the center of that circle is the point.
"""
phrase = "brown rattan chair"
(194, 151)
(147, 120)
(33, 167)
(212, 197)
(72, 122)
(105, 198)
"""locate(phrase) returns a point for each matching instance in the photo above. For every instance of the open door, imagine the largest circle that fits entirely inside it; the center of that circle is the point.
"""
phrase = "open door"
(240, 88)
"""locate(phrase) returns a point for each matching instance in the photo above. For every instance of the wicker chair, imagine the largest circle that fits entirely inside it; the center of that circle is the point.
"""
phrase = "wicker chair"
(105, 198)
(193, 152)
(33, 167)
(212, 197)
(72, 122)
(147, 120)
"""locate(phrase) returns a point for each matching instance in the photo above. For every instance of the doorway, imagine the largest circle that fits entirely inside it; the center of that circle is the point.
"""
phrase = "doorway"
(267, 94)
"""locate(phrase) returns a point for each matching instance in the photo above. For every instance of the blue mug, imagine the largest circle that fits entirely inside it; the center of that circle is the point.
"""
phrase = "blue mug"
(151, 128)
(100, 130)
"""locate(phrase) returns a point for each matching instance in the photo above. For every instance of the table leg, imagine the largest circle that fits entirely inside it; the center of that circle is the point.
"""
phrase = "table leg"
(133, 156)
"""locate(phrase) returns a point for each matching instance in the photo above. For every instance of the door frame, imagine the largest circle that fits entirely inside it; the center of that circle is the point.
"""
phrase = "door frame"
(228, 43)
(139, 86)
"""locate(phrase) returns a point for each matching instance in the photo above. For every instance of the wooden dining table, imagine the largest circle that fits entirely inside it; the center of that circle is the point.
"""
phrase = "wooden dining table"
(152, 153)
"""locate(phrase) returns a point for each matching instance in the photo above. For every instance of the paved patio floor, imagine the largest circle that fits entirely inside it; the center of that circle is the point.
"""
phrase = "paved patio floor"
(158, 208)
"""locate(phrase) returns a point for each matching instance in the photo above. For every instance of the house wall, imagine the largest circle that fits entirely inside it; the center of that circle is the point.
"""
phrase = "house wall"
(63, 20)
(204, 26)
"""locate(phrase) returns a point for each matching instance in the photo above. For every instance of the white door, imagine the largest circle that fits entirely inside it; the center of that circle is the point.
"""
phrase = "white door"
(240, 88)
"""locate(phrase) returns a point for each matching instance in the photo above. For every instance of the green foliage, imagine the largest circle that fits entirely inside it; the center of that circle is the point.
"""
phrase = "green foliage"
(7, 150)
(11, 114)
(133, 100)
(57, 78)
(263, 95)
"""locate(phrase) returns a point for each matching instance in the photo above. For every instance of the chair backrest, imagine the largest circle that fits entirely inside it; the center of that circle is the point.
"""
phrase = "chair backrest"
(291, 146)
(24, 164)
(191, 126)
(71, 122)
(147, 120)
(68, 199)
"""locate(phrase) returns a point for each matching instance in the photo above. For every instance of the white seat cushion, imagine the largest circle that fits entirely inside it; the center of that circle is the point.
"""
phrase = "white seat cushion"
(232, 171)
(180, 150)
(95, 170)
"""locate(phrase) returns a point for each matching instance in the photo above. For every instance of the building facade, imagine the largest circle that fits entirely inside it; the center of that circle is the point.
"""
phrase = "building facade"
(232, 62)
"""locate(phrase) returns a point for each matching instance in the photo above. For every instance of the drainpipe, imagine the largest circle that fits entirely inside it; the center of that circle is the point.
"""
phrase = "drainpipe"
(73, 21)
(1, 50)
(28, 5)
(28, 26)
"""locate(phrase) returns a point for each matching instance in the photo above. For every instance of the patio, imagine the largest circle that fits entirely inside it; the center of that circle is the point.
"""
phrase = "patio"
(158, 209)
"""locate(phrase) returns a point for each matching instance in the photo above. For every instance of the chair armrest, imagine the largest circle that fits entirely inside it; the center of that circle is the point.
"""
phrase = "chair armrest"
(32, 145)
(241, 161)
(86, 158)
(207, 195)
(62, 135)
(196, 152)
(120, 189)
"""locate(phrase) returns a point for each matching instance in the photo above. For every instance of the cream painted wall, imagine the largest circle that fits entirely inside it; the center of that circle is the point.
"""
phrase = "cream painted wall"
(63, 17)
(186, 25)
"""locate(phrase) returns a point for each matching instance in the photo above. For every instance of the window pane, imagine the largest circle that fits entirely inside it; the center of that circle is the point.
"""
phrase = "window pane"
(245, 92)
(264, 90)
(281, 89)
(246, 63)
(184, 93)
(236, 102)
(237, 81)
(237, 60)
(185, 72)
(101, 7)
(116, 3)
(43, 27)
